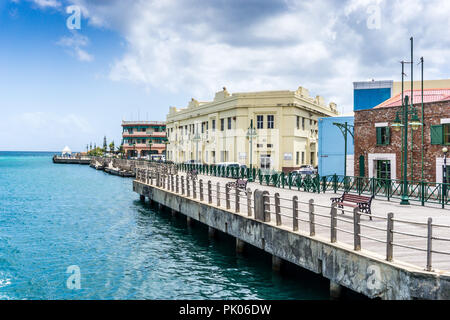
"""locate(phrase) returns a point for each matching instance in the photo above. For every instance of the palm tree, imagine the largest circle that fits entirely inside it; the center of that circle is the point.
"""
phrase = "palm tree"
(111, 147)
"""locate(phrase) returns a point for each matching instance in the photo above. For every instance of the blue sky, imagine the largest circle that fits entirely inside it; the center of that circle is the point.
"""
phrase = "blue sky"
(70, 87)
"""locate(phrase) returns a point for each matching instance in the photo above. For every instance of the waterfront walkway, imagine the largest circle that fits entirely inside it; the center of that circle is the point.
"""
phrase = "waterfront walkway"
(410, 224)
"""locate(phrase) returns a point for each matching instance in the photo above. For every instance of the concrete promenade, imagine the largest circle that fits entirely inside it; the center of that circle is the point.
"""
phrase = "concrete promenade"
(392, 259)
(380, 208)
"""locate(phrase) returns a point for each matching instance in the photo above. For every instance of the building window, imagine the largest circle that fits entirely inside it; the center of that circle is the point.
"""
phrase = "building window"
(259, 122)
(383, 136)
(229, 123)
(259, 145)
(222, 124)
(203, 127)
(265, 161)
(446, 128)
(297, 157)
(383, 169)
(270, 146)
(298, 122)
(303, 157)
(213, 124)
(270, 121)
(303, 123)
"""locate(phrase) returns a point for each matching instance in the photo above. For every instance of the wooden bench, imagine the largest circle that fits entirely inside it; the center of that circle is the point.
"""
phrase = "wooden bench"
(238, 184)
(363, 203)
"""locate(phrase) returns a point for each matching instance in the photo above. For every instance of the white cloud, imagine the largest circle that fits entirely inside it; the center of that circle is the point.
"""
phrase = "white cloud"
(197, 46)
(75, 44)
(47, 3)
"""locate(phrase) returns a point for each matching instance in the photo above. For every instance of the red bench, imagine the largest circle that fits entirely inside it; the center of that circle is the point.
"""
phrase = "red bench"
(363, 203)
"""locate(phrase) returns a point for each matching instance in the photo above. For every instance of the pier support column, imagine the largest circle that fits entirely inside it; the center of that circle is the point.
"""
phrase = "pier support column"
(142, 198)
(240, 246)
(189, 221)
(173, 212)
(335, 290)
(276, 263)
(211, 232)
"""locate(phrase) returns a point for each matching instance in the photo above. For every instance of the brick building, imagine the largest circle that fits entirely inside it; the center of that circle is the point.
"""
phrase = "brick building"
(378, 147)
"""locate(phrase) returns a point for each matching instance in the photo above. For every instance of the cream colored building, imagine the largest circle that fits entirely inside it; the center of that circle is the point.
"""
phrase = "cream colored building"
(286, 124)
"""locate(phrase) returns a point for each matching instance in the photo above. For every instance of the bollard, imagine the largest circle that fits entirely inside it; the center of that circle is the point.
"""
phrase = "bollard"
(209, 192)
(333, 223)
(277, 209)
(429, 244)
(218, 193)
(356, 229)
(312, 225)
(295, 213)
(249, 202)
(227, 196)
(390, 237)
(200, 186)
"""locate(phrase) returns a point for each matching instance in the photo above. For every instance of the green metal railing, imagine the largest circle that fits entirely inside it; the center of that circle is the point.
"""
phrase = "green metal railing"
(419, 191)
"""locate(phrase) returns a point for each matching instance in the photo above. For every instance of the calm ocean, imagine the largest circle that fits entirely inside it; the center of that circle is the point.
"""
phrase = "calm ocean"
(56, 216)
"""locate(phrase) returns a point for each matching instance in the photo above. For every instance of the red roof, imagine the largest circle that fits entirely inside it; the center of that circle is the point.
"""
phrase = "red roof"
(429, 95)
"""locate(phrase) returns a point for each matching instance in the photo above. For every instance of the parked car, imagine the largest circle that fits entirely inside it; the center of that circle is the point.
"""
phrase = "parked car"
(307, 170)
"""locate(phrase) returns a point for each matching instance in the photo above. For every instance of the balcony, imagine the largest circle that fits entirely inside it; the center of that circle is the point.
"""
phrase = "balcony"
(143, 134)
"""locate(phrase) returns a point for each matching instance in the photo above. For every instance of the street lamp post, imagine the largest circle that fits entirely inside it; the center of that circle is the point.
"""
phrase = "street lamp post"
(398, 124)
(444, 176)
(251, 134)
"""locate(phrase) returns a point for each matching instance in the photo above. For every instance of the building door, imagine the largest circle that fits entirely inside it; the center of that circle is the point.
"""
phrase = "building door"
(383, 169)
(265, 161)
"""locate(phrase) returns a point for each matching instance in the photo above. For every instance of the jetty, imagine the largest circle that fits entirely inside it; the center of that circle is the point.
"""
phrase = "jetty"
(71, 160)
(402, 253)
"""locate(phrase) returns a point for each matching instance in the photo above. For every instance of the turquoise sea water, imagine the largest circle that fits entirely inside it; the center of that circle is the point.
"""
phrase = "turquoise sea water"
(53, 216)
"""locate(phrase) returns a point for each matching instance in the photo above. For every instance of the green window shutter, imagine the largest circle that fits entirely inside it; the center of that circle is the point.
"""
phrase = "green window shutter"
(388, 135)
(378, 135)
(436, 133)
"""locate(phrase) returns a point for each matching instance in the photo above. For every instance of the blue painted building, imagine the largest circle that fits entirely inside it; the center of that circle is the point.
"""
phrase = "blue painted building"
(366, 95)
(332, 146)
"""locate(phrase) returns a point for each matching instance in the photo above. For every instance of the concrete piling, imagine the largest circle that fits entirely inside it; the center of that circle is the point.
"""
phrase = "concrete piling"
(335, 290)
(276, 263)
(240, 246)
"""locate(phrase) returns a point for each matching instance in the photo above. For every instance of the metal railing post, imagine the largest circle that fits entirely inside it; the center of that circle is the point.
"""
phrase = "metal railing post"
(266, 206)
(277, 209)
(237, 200)
(194, 189)
(172, 187)
(188, 189)
(227, 196)
(295, 213)
(390, 237)
(356, 229)
(333, 223)
(177, 182)
(218, 193)
(312, 225)
(429, 244)
(182, 185)
(249, 202)
(200, 187)
(209, 192)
